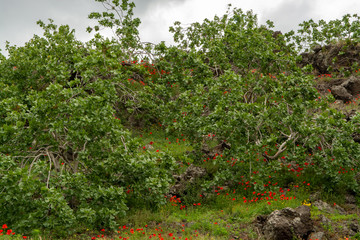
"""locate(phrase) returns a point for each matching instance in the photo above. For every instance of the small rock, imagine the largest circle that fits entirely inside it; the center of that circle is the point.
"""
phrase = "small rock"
(350, 207)
(352, 85)
(340, 210)
(354, 227)
(324, 220)
(317, 236)
(356, 137)
(191, 174)
(350, 199)
(325, 207)
(322, 206)
(339, 92)
(314, 197)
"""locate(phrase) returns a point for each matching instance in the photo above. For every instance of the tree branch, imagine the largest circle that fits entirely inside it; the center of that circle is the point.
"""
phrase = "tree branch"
(282, 147)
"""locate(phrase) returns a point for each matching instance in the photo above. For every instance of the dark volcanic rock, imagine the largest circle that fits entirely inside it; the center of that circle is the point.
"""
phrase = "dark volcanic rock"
(340, 93)
(317, 235)
(191, 174)
(352, 85)
(332, 58)
(287, 223)
(325, 207)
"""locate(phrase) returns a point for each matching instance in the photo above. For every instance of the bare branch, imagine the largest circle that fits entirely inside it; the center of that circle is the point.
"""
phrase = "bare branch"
(123, 141)
(48, 178)
(282, 147)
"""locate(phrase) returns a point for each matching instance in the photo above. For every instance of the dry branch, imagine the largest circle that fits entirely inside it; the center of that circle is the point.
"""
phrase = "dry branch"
(282, 147)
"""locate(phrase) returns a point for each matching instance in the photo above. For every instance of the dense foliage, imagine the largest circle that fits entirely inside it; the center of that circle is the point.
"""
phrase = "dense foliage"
(68, 109)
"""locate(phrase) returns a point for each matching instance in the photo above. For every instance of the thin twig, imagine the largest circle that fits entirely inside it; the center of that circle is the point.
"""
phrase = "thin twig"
(48, 178)
(123, 141)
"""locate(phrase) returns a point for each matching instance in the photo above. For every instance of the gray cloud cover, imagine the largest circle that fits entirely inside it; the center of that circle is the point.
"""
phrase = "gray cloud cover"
(289, 14)
(18, 18)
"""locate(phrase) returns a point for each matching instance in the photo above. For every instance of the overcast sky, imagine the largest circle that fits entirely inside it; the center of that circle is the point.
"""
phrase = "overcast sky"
(18, 17)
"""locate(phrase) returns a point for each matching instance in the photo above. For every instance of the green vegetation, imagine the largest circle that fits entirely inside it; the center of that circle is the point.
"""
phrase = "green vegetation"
(91, 134)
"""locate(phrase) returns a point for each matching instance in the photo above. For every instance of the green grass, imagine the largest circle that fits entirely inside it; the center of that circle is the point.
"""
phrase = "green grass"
(338, 217)
(156, 139)
(222, 218)
(218, 220)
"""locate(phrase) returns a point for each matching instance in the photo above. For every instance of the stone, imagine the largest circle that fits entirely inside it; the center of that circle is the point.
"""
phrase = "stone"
(350, 199)
(287, 223)
(322, 206)
(354, 227)
(324, 220)
(339, 92)
(314, 196)
(340, 210)
(325, 207)
(191, 174)
(215, 151)
(352, 85)
(356, 137)
(317, 236)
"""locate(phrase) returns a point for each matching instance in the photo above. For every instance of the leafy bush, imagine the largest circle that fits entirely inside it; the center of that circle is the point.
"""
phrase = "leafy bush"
(68, 161)
(257, 100)
(71, 157)
(321, 33)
